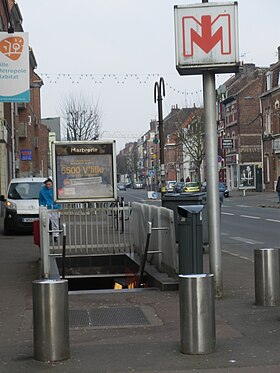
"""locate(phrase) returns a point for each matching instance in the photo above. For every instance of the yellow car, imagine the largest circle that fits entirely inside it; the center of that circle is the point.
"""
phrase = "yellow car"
(191, 187)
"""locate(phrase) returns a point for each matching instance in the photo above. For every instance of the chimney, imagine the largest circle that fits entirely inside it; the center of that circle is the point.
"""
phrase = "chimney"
(249, 69)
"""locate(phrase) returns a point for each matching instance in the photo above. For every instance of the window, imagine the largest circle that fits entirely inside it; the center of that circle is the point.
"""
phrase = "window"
(2, 28)
(268, 120)
(267, 169)
(234, 139)
(268, 80)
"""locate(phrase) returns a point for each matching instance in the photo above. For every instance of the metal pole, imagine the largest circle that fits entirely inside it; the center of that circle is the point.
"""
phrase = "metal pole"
(144, 258)
(159, 89)
(13, 140)
(44, 242)
(63, 249)
(211, 147)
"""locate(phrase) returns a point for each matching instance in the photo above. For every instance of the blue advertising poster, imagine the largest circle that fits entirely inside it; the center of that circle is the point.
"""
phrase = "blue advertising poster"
(26, 155)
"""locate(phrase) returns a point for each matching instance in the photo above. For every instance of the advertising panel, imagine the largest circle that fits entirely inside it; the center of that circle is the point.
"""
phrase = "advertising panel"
(26, 155)
(206, 38)
(247, 176)
(84, 171)
(14, 67)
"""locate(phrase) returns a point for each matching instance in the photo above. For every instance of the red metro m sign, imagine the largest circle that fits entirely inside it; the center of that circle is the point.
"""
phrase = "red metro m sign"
(206, 38)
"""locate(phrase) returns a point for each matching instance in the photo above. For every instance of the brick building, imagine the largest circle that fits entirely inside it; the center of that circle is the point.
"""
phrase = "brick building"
(240, 120)
(23, 139)
(178, 163)
(270, 114)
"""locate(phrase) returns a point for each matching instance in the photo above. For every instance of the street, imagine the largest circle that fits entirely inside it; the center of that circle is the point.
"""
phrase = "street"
(244, 227)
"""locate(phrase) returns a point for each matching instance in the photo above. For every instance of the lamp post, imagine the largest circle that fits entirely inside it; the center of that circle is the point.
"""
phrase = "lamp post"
(159, 91)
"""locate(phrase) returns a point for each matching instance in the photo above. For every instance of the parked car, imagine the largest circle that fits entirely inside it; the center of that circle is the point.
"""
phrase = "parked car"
(191, 187)
(138, 186)
(21, 204)
(178, 187)
(170, 185)
(223, 190)
(121, 186)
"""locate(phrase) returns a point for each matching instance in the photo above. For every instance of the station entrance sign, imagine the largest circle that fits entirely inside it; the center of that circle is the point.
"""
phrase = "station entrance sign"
(206, 38)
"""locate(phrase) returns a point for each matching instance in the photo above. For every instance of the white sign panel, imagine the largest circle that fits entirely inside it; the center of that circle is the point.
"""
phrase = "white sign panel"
(206, 38)
(14, 67)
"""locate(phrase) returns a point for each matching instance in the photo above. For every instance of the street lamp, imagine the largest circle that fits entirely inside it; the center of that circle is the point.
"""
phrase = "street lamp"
(159, 90)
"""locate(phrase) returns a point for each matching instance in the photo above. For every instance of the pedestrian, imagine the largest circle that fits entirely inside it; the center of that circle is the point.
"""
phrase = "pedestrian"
(188, 179)
(46, 199)
(278, 188)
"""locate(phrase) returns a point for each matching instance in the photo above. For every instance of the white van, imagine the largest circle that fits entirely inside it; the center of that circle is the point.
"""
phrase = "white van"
(21, 204)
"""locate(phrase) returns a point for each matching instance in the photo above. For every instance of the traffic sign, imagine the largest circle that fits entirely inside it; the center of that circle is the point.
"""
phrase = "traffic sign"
(151, 172)
(227, 143)
(154, 195)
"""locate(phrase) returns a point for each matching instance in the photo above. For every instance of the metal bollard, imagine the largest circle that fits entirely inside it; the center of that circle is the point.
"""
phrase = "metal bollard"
(197, 313)
(50, 320)
(267, 280)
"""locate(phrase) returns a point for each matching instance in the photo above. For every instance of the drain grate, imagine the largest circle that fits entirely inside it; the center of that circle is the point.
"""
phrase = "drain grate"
(115, 316)
(78, 318)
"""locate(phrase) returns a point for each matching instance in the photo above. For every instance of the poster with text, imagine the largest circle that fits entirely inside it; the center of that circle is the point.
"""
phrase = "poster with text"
(84, 171)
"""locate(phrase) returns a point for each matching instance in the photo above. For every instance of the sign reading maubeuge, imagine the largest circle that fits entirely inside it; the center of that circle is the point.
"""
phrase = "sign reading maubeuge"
(84, 171)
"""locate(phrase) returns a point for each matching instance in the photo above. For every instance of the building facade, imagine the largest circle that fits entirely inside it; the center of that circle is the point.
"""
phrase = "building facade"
(240, 120)
(270, 115)
(23, 138)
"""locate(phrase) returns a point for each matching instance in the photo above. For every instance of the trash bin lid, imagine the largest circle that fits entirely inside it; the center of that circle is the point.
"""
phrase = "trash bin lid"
(184, 210)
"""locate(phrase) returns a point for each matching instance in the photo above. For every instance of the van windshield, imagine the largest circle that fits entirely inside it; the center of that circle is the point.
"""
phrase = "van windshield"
(24, 190)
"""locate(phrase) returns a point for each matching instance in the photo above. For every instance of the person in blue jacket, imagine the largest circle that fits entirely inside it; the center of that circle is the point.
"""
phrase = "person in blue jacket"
(46, 199)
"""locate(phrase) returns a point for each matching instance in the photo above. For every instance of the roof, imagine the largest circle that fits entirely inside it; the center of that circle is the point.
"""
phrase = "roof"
(28, 180)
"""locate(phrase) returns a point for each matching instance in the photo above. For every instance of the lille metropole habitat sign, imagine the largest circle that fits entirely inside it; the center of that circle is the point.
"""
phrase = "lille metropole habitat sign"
(14, 67)
(84, 171)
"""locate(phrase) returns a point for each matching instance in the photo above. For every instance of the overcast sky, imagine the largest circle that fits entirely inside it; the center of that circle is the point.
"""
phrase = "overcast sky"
(124, 46)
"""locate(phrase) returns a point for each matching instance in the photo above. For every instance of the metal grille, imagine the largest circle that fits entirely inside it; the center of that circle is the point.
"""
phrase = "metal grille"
(116, 316)
(78, 318)
(96, 229)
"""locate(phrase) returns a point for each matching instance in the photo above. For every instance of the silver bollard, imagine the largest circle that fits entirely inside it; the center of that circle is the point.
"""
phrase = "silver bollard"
(51, 320)
(267, 280)
(197, 313)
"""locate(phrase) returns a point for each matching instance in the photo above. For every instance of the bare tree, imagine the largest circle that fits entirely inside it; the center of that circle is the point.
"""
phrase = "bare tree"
(192, 137)
(83, 119)
(133, 162)
(122, 164)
